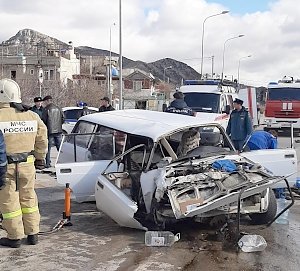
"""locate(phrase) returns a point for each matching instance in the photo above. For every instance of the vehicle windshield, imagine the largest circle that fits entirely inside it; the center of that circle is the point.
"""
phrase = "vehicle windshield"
(203, 102)
(281, 94)
(73, 114)
(198, 142)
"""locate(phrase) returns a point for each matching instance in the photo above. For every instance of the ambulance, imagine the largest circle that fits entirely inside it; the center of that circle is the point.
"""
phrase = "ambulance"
(214, 98)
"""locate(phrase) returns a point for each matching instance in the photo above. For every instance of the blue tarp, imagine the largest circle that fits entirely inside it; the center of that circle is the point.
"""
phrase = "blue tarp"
(224, 165)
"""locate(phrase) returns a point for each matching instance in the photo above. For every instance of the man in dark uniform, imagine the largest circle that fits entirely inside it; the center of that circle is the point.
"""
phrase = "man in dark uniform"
(239, 125)
(37, 108)
(105, 105)
(179, 106)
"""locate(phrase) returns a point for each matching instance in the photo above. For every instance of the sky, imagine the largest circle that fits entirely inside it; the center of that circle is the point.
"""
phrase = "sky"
(155, 29)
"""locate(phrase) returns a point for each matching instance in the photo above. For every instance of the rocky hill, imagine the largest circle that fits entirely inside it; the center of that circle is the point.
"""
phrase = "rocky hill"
(174, 75)
(30, 42)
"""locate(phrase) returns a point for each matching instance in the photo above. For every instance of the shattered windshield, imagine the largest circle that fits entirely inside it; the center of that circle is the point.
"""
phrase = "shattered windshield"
(203, 102)
(282, 94)
(197, 142)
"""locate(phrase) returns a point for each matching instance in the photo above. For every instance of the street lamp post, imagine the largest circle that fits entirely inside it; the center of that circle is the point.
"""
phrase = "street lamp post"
(120, 57)
(165, 68)
(223, 62)
(110, 73)
(2, 68)
(202, 42)
(239, 68)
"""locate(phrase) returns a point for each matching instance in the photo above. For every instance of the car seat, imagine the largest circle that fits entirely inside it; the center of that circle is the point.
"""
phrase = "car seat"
(210, 138)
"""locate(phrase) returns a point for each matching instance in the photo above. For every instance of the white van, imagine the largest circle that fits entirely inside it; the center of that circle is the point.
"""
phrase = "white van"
(210, 98)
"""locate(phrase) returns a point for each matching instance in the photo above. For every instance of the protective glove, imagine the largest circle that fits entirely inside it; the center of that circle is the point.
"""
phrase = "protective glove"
(39, 164)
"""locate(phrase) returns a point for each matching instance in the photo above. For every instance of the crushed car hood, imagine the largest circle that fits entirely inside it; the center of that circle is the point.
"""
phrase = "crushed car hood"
(194, 186)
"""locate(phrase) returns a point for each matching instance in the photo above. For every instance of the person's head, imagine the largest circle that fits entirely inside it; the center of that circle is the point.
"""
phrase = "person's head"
(38, 101)
(105, 101)
(47, 100)
(9, 91)
(189, 141)
(273, 133)
(238, 104)
(178, 95)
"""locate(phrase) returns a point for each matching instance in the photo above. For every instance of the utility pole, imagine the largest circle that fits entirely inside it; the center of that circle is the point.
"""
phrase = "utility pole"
(2, 68)
(120, 56)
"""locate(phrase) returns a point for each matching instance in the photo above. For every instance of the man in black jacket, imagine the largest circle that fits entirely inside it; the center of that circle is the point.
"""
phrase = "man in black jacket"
(105, 106)
(53, 117)
(179, 106)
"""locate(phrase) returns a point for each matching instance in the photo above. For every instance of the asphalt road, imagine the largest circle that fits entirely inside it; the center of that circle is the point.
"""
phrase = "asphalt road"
(95, 242)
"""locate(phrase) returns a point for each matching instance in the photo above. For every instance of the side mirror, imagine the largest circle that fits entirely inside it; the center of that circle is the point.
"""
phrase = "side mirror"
(227, 109)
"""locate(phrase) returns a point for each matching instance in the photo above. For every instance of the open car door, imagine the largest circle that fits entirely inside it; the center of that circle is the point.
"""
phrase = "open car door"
(281, 162)
(113, 193)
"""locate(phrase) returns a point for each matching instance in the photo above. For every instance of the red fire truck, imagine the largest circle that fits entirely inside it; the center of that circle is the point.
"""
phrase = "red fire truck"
(283, 105)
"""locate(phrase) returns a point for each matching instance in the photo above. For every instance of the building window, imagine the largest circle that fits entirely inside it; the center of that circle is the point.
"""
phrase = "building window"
(46, 75)
(49, 75)
(31, 71)
(13, 75)
(137, 85)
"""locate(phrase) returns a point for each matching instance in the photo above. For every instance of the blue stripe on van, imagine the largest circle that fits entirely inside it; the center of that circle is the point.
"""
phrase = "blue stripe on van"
(71, 120)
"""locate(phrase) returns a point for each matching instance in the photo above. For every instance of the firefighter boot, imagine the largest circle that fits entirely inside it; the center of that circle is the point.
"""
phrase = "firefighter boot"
(13, 243)
(32, 239)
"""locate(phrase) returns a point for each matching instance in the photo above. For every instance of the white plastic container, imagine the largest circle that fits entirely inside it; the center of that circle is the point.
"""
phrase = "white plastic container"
(160, 238)
(252, 243)
(283, 219)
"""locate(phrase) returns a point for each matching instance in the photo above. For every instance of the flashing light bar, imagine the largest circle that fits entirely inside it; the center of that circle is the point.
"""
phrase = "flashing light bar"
(201, 82)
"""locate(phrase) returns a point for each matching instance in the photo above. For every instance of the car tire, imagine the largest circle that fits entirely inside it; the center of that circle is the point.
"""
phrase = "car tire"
(264, 218)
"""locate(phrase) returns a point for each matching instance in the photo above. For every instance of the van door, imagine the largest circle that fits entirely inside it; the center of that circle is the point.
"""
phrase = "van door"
(83, 155)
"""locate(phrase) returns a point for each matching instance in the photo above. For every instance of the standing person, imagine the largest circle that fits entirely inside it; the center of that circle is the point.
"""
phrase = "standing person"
(37, 108)
(239, 125)
(85, 110)
(25, 138)
(262, 140)
(53, 117)
(179, 106)
(105, 105)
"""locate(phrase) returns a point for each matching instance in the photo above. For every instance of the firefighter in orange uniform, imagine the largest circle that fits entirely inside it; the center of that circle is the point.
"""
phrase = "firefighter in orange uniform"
(25, 136)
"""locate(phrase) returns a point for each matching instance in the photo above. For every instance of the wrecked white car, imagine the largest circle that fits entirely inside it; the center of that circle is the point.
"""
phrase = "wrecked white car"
(143, 166)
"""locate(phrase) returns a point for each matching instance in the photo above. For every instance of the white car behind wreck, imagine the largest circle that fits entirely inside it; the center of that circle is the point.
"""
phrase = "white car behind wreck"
(143, 166)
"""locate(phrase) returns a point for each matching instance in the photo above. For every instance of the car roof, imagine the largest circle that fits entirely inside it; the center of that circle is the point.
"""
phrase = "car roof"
(146, 123)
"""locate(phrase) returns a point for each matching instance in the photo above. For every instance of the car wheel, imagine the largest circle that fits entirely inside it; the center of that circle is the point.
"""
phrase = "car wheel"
(264, 218)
